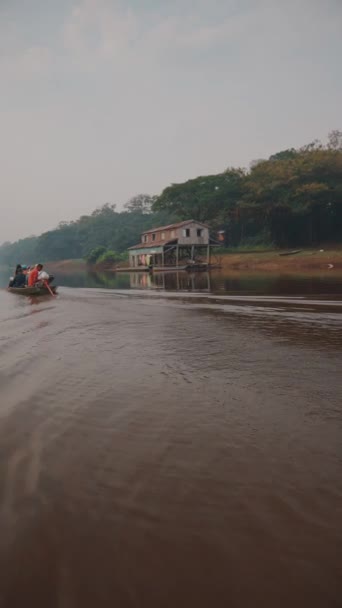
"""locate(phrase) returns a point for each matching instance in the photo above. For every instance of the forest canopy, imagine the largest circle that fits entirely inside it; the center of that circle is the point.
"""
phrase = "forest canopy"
(292, 198)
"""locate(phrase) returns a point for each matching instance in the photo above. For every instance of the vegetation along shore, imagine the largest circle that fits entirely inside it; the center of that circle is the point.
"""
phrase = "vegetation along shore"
(292, 200)
(312, 260)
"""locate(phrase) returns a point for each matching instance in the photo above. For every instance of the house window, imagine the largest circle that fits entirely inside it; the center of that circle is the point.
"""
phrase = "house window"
(145, 238)
(153, 237)
(199, 232)
(173, 234)
(186, 232)
(163, 236)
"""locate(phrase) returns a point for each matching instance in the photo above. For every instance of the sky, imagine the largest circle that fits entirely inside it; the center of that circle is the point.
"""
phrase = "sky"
(104, 99)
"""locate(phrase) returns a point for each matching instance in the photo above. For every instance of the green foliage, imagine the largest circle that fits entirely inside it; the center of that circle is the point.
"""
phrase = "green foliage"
(299, 199)
(206, 198)
(21, 252)
(93, 256)
(293, 198)
(284, 155)
(141, 203)
(88, 238)
(247, 246)
(110, 257)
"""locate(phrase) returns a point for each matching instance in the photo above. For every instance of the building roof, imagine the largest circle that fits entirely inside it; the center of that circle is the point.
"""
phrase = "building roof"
(172, 226)
(154, 245)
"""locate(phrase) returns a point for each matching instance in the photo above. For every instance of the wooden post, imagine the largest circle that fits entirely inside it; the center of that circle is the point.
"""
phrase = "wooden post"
(177, 255)
(192, 252)
(163, 263)
(208, 254)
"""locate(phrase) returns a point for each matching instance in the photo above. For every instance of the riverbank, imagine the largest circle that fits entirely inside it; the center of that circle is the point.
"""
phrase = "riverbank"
(307, 260)
(66, 266)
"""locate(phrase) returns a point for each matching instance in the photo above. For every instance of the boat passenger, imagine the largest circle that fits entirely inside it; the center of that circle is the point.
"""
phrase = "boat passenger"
(26, 271)
(17, 268)
(43, 278)
(19, 279)
(34, 274)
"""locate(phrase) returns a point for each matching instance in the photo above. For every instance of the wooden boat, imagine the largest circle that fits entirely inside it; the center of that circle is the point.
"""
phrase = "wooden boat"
(32, 291)
(199, 267)
(291, 252)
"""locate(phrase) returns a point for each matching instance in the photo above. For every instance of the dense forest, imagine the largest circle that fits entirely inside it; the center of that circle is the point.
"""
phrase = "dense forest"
(105, 230)
(294, 198)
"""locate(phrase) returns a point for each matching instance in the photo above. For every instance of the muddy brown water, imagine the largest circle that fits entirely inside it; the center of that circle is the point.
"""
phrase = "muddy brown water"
(162, 449)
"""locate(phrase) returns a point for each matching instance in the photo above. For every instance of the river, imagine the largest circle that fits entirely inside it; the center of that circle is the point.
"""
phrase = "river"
(170, 443)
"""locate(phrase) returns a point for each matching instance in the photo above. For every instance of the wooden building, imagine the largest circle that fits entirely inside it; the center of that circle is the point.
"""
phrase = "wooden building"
(177, 246)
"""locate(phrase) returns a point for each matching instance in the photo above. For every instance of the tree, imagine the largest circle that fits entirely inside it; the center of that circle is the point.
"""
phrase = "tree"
(108, 258)
(316, 144)
(335, 140)
(256, 162)
(203, 199)
(284, 155)
(93, 256)
(21, 252)
(293, 198)
(141, 203)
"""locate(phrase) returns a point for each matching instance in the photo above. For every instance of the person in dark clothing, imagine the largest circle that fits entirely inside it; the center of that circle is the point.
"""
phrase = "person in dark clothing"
(19, 279)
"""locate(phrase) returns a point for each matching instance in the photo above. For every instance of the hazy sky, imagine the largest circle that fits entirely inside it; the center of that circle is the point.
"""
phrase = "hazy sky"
(102, 99)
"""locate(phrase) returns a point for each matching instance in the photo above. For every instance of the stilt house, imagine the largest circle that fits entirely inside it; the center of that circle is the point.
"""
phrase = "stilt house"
(175, 246)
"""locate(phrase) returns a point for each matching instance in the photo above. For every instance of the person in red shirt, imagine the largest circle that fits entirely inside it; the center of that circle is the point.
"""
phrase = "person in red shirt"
(33, 276)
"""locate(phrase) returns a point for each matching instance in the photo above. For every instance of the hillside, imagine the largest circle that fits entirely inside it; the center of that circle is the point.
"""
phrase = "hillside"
(293, 199)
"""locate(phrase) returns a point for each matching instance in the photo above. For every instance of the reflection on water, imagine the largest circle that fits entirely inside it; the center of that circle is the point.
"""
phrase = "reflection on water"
(214, 282)
(109, 280)
(171, 281)
(219, 281)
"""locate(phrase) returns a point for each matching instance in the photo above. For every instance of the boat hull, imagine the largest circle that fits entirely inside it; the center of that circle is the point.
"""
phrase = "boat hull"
(32, 291)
